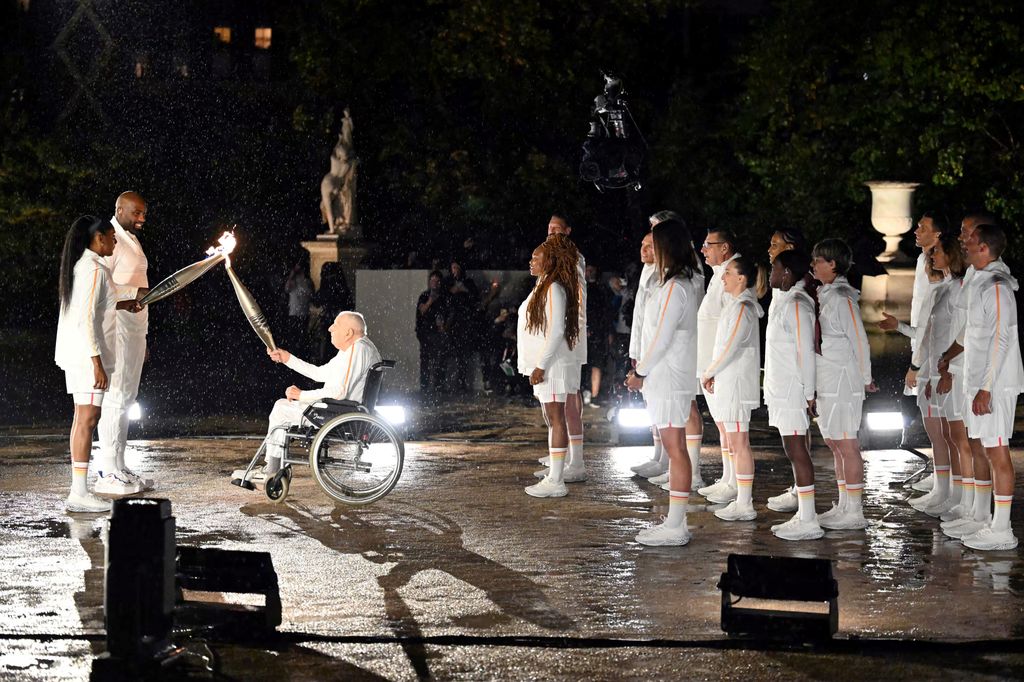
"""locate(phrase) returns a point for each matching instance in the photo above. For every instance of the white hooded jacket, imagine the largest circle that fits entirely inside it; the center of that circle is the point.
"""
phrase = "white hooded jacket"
(844, 365)
(944, 322)
(648, 282)
(992, 359)
(736, 358)
(668, 343)
(87, 327)
(546, 348)
(708, 313)
(789, 362)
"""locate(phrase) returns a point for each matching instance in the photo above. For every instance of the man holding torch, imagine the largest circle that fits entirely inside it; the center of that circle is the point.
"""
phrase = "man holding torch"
(128, 266)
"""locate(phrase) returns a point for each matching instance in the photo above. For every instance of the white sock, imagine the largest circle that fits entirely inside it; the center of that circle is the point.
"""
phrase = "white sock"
(940, 489)
(956, 489)
(842, 493)
(575, 460)
(660, 456)
(677, 502)
(982, 501)
(104, 463)
(726, 466)
(557, 463)
(744, 490)
(805, 502)
(79, 475)
(854, 496)
(967, 498)
(732, 470)
(1001, 517)
(693, 450)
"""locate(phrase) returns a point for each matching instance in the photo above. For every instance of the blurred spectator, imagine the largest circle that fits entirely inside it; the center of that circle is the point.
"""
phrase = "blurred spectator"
(463, 325)
(300, 291)
(599, 328)
(431, 315)
(622, 317)
(333, 297)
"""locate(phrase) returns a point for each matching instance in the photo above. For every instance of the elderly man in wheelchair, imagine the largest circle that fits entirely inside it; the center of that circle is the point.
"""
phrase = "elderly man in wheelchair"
(355, 455)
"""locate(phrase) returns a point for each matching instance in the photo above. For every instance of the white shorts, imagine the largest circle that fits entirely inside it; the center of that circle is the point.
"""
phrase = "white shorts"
(668, 412)
(789, 420)
(80, 382)
(995, 428)
(951, 405)
(559, 382)
(737, 426)
(725, 411)
(839, 420)
(929, 406)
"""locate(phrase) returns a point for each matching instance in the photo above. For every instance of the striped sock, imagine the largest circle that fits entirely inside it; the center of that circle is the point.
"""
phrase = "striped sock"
(732, 470)
(744, 489)
(941, 485)
(659, 450)
(982, 500)
(842, 493)
(967, 498)
(557, 463)
(1001, 517)
(677, 502)
(805, 502)
(854, 497)
(575, 451)
(956, 490)
(79, 475)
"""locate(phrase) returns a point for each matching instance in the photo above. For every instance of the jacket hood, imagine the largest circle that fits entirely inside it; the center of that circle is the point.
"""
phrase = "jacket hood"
(997, 271)
(748, 296)
(839, 287)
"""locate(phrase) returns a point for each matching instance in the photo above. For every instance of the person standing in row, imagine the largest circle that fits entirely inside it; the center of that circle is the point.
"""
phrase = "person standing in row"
(843, 376)
(548, 332)
(128, 268)
(789, 383)
(664, 373)
(732, 378)
(85, 349)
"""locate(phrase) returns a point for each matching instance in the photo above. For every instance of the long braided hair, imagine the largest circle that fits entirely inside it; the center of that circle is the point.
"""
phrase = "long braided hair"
(560, 258)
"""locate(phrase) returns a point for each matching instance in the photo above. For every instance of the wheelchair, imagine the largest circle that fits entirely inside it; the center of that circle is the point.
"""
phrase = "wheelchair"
(355, 455)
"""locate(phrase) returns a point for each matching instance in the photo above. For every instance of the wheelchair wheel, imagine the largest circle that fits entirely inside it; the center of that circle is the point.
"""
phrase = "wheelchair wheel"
(276, 487)
(357, 458)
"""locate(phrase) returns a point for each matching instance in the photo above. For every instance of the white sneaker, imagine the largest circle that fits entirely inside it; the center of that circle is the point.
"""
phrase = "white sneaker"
(848, 520)
(926, 500)
(574, 474)
(794, 518)
(661, 535)
(795, 529)
(666, 486)
(637, 467)
(711, 488)
(256, 476)
(988, 539)
(734, 512)
(547, 488)
(146, 483)
(117, 483)
(696, 483)
(957, 513)
(937, 509)
(541, 473)
(659, 479)
(786, 502)
(726, 493)
(652, 468)
(954, 523)
(86, 504)
(925, 484)
(835, 511)
(545, 460)
(962, 530)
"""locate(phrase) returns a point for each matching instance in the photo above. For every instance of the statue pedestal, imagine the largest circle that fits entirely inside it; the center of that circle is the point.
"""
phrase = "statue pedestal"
(332, 248)
(890, 293)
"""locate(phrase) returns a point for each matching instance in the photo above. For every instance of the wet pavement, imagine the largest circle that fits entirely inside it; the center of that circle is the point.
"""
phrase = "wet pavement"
(459, 574)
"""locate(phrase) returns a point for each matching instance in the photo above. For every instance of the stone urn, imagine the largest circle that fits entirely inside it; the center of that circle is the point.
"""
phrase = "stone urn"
(891, 215)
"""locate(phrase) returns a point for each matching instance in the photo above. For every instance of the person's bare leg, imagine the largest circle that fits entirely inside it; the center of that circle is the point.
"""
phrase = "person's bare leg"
(674, 441)
(1003, 483)
(574, 413)
(558, 438)
(940, 460)
(694, 436)
(595, 381)
(82, 427)
(853, 469)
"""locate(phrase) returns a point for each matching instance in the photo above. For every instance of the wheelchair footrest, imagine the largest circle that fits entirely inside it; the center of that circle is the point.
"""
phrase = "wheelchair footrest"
(248, 485)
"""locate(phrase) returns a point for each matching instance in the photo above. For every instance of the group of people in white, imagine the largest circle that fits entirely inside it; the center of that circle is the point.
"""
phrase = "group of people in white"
(689, 340)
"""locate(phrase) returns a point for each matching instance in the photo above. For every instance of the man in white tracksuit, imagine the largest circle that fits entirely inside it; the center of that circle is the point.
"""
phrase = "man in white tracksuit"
(128, 267)
(718, 250)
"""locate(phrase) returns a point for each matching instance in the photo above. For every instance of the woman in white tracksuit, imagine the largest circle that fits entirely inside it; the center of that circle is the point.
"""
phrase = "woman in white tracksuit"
(547, 334)
(789, 383)
(665, 372)
(843, 378)
(85, 343)
(732, 378)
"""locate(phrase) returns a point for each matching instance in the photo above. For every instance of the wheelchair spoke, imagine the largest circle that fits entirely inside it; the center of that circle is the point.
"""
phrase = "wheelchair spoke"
(357, 458)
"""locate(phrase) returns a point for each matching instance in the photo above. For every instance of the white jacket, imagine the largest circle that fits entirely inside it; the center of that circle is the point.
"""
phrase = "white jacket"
(668, 342)
(992, 351)
(87, 327)
(648, 282)
(736, 357)
(708, 313)
(944, 322)
(789, 362)
(844, 366)
(128, 269)
(545, 348)
(344, 377)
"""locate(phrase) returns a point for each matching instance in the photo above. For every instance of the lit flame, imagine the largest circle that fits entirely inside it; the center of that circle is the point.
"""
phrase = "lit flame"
(227, 244)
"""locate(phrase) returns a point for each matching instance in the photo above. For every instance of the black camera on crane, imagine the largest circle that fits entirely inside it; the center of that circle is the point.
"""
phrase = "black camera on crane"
(614, 152)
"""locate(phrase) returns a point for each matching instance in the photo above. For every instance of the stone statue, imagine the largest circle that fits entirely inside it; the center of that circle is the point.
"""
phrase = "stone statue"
(338, 188)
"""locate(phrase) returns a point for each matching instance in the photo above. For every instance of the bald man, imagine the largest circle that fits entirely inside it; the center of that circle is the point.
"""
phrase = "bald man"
(344, 378)
(128, 266)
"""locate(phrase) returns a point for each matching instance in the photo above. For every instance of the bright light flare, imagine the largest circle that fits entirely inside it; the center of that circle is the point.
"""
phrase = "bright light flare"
(884, 421)
(393, 414)
(633, 418)
(135, 412)
(225, 245)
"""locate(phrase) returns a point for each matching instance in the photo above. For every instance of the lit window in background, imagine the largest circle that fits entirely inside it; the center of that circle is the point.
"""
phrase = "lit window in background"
(223, 34)
(263, 38)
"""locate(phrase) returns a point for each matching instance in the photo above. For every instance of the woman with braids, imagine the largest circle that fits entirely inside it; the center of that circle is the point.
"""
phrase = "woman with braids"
(733, 378)
(548, 331)
(666, 371)
(85, 342)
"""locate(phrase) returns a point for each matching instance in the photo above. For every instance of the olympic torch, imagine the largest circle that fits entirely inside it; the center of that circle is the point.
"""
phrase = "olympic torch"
(188, 274)
(251, 309)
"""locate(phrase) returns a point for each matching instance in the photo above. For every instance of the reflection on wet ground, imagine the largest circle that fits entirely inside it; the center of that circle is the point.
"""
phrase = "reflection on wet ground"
(458, 550)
